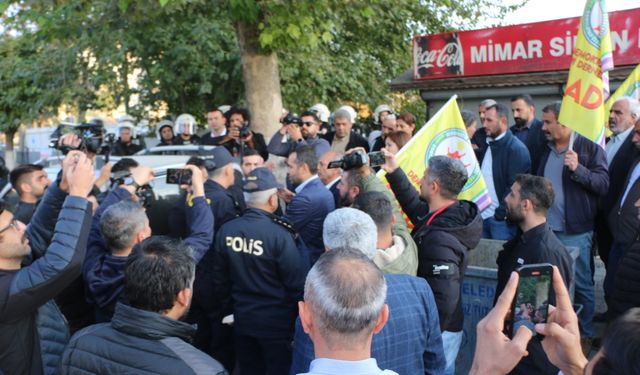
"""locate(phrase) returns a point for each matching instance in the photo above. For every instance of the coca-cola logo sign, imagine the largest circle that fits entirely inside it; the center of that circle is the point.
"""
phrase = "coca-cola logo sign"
(439, 56)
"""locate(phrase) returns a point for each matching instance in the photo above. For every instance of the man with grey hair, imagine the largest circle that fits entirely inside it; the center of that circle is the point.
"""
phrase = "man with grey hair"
(343, 308)
(344, 138)
(410, 342)
(446, 229)
(621, 153)
(258, 274)
(119, 224)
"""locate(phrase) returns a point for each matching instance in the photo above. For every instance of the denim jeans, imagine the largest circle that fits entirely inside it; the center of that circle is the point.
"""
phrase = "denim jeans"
(583, 276)
(497, 230)
(451, 343)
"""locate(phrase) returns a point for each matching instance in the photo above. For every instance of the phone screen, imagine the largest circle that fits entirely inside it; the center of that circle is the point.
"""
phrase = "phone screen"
(178, 176)
(376, 159)
(531, 303)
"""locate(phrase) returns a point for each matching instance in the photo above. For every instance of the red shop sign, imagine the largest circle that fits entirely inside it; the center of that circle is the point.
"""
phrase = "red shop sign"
(531, 47)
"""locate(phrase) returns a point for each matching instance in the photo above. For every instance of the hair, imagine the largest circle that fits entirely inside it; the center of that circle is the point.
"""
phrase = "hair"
(468, 118)
(353, 179)
(250, 152)
(634, 105)
(407, 117)
(538, 190)
(313, 114)
(620, 346)
(342, 114)
(215, 109)
(525, 98)
(156, 271)
(348, 227)
(377, 205)
(124, 165)
(121, 222)
(501, 110)
(198, 162)
(241, 111)
(399, 138)
(450, 173)
(487, 103)
(18, 175)
(346, 293)
(258, 198)
(553, 107)
(306, 155)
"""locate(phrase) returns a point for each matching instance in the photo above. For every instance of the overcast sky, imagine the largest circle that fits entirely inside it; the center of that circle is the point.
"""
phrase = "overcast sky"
(543, 10)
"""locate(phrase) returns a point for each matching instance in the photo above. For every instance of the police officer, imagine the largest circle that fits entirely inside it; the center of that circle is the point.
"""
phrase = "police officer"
(260, 269)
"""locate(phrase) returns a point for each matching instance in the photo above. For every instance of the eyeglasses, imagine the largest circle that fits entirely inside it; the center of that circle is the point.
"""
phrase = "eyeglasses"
(307, 123)
(13, 223)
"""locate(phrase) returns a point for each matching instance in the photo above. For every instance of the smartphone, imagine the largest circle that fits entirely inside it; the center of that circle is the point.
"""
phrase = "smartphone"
(531, 303)
(376, 159)
(178, 176)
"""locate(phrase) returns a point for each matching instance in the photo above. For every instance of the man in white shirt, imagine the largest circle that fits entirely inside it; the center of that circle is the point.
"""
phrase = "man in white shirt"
(343, 308)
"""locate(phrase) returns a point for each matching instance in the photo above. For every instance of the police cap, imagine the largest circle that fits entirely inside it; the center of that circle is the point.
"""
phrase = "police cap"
(260, 179)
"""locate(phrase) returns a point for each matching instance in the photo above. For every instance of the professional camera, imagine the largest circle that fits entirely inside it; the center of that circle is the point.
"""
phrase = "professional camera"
(92, 137)
(351, 161)
(291, 118)
(358, 159)
(244, 130)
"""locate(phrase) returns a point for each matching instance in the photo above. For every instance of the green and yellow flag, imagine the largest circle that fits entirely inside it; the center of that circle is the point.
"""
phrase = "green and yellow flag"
(588, 84)
(630, 87)
(444, 134)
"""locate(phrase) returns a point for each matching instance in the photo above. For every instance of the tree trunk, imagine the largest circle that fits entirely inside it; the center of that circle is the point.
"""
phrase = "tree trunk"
(9, 154)
(261, 81)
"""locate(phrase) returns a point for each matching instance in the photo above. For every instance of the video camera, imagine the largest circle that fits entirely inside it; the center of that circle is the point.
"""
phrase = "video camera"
(92, 138)
(357, 160)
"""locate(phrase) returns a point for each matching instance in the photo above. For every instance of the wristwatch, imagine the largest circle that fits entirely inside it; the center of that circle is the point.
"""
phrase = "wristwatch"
(129, 181)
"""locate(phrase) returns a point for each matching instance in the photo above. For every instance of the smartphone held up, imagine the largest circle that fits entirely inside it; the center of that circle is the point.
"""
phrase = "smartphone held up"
(531, 303)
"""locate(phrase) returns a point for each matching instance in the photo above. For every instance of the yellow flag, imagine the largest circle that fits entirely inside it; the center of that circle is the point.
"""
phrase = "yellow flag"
(444, 134)
(588, 84)
(630, 87)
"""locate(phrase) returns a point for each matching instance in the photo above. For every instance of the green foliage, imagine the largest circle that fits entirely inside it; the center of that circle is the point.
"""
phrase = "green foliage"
(185, 53)
(32, 77)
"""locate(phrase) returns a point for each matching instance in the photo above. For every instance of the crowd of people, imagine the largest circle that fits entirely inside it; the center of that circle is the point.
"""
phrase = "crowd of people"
(321, 273)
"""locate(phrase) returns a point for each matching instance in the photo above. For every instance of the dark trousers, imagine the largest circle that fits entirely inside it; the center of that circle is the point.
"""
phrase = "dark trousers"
(258, 356)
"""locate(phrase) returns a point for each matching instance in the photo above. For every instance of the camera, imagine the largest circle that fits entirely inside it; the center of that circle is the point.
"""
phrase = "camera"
(92, 137)
(351, 161)
(145, 193)
(179, 176)
(358, 159)
(244, 130)
(291, 118)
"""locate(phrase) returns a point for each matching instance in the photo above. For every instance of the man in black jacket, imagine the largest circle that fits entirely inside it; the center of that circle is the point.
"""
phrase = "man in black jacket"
(33, 332)
(344, 138)
(146, 334)
(527, 204)
(446, 229)
(527, 127)
(578, 173)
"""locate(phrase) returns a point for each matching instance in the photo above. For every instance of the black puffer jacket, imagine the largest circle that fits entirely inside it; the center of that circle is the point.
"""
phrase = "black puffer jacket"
(626, 285)
(443, 243)
(137, 342)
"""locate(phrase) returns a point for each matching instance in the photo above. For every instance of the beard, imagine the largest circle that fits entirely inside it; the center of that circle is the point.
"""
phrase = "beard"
(514, 216)
(520, 122)
(345, 201)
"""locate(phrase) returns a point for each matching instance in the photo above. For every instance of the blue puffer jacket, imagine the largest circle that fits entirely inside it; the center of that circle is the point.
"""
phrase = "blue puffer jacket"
(33, 332)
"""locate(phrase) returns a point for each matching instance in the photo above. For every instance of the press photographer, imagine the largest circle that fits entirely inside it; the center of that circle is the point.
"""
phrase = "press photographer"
(298, 131)
(121, 222)
(240, 136)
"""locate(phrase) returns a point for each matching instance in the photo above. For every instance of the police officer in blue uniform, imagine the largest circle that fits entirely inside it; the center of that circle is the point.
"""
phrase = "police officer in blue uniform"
(260, 269)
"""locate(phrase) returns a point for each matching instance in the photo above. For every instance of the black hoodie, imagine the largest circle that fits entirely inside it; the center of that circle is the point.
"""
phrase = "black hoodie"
(443, 239)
